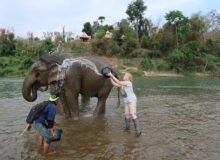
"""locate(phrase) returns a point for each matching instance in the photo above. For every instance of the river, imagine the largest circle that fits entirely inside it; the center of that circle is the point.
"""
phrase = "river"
(179, 118)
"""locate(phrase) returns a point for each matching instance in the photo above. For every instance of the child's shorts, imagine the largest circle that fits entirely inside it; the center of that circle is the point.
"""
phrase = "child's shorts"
(130, 108)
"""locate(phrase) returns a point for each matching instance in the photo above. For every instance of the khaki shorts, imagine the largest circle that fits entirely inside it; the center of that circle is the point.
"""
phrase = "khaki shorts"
(130, 108)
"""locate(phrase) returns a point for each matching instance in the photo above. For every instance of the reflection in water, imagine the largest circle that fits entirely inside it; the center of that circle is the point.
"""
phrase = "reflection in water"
(179, 118)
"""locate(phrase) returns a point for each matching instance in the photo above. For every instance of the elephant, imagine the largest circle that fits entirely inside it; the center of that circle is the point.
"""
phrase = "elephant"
(72, 74)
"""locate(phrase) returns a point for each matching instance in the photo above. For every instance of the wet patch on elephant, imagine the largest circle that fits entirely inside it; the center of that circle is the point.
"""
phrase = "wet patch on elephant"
(81, 60)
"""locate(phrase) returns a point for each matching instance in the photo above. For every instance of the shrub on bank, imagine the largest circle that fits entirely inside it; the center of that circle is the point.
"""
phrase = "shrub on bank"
(105, 47)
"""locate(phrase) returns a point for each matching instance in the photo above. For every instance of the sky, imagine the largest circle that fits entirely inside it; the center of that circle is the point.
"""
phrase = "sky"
(38, 16)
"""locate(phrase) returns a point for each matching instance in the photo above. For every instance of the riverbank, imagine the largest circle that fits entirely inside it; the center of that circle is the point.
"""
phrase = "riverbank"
(119, 65)
(12, 67)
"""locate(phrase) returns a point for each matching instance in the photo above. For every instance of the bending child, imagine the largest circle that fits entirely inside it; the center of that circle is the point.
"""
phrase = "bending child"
(130, 100)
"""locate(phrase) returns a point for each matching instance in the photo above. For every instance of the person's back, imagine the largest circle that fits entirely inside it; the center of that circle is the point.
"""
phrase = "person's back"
(48, 114)
(129, 93)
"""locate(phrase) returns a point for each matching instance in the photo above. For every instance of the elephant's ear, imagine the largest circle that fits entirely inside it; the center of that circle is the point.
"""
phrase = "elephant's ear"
(50, 59)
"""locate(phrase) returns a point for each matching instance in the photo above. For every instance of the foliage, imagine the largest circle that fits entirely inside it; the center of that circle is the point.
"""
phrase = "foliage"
(136, 73)
(135, 12)
(181, 25)
(47, 46)
(146, 64)
(198, 27)
(144, 42)
(87, 28)
(105, 47)
(7, 43)
(129, 62)
(188, 58)
(101, 19)
(182, 44)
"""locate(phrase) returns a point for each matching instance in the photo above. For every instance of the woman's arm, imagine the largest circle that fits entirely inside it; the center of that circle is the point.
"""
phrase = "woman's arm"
(114, 83)
(113, 78)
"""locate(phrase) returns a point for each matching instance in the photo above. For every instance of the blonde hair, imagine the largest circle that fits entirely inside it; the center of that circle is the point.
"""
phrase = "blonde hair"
(128, 76)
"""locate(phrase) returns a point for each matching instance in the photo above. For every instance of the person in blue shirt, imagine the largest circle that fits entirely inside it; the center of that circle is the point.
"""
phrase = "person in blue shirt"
(44, 124)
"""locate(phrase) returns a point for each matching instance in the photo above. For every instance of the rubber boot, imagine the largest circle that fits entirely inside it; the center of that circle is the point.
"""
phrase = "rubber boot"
(136, 127)
(127, 124)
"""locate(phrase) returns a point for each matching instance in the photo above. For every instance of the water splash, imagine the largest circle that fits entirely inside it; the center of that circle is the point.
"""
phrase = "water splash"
(67, 63)
(81, 60)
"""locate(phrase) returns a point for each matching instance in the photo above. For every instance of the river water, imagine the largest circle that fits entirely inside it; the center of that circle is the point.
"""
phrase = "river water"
(179, 119)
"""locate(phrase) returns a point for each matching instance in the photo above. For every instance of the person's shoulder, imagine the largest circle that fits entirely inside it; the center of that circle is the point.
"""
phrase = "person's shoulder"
(51, 105)
(129, 83)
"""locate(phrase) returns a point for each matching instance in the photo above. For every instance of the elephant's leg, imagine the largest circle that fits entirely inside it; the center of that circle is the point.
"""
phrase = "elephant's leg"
(100, 107)
(66, 108)
(72, 101)
(85, 101)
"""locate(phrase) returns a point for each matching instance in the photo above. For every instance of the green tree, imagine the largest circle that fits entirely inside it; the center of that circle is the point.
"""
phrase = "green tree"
(101, 19)
(95, 27)
(198, 27)
(47, 46)
(214, 20)
(7, 43)
(87, 28)
(125, 33)
(180, 23)
(135, 12)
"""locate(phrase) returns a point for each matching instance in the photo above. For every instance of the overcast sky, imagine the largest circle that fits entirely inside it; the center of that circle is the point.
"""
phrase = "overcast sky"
(40, 16)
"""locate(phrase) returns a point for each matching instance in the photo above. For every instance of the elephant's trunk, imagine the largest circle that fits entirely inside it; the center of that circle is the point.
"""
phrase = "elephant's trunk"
(29, 89)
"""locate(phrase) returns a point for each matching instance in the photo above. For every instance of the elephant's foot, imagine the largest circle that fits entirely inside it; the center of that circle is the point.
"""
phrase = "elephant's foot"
(67, 116)
(97, 113)
(75, 118)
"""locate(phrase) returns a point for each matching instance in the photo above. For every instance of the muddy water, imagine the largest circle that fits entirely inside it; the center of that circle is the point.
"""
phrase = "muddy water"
(179, 118)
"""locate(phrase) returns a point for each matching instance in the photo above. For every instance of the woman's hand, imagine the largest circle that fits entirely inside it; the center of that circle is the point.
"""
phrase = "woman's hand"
(109, 74)
(53, 133)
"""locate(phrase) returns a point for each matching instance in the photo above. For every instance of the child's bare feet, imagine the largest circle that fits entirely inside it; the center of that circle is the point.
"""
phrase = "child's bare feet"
(50, 153)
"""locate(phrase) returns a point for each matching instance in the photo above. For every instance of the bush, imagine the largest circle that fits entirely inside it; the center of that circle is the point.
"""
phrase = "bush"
(7, 43)
(105, 47)
(154, 54)
(146, 64)
(136, 73)
(129, 62)
(47, 46)
(175, 60)
(139, 52)
(26, 63)
(144, 42)
(161, 65)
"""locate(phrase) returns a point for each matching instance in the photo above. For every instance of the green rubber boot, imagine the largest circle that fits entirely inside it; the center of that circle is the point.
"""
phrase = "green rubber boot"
(136, 127)
(127, 124)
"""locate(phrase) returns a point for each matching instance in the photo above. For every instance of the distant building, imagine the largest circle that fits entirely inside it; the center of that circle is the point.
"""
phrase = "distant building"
(84, 37)
(77, 38)
(108, 35)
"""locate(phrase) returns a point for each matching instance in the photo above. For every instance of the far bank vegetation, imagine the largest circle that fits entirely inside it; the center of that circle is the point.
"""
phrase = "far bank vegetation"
(182, 44)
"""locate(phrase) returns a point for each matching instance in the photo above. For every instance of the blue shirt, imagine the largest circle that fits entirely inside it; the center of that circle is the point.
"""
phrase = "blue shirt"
(48, 113)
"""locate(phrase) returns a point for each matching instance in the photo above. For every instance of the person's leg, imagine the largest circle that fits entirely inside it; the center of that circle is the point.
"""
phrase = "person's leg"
(43, 131)
(41, 141)
(46, 149)
(127, 118)
(135, 119)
